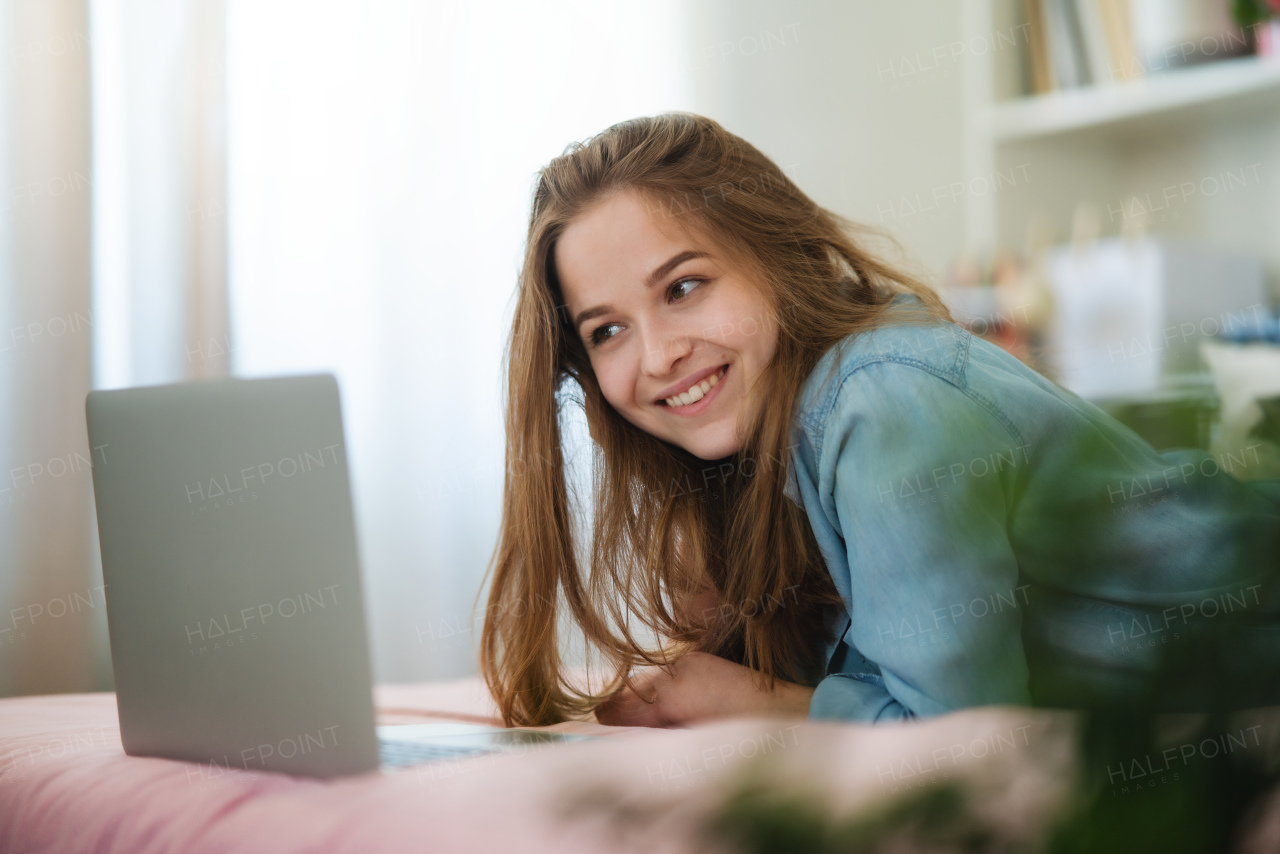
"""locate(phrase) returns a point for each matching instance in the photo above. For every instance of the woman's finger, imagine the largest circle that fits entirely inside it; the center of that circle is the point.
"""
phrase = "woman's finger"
(626, 708)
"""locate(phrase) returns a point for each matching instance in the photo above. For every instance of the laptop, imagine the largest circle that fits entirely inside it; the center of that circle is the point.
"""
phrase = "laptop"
(234, 603)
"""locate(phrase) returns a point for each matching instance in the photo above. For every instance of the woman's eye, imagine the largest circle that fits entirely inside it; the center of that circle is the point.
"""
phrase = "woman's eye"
(676, 292)
(599, 336)
(676, 288)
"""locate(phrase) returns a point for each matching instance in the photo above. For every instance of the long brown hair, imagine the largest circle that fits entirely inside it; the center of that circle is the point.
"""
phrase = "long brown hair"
(668, 526)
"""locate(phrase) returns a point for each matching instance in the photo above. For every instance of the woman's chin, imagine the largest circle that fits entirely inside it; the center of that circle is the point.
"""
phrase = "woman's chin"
(711, 449)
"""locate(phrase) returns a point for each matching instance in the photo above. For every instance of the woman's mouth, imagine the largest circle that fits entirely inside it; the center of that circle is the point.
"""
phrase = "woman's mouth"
(698, 396)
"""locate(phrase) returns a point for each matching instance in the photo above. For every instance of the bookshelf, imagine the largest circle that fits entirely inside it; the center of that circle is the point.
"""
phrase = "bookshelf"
(1119, 146)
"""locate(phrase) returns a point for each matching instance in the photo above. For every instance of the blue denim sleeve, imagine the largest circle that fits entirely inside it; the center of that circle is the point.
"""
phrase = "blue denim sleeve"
(909, 467)
(855, 697)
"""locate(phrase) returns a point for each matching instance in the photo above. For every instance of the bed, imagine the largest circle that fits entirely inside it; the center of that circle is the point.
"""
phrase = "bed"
(67, 786)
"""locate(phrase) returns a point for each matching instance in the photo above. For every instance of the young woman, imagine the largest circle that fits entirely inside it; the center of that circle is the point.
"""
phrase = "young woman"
(813, 493)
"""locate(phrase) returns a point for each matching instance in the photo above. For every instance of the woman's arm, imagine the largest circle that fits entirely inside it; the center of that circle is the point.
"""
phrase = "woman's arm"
(936, 602)
(699, 687)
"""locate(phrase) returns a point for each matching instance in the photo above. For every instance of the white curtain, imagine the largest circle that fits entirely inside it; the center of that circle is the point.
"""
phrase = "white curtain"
(159, 201)
(199, 187)
(381, 164)
(49, 609)
(112, 273)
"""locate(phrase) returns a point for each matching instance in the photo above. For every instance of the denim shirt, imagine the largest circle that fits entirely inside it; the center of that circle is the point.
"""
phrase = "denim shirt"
(976, 517)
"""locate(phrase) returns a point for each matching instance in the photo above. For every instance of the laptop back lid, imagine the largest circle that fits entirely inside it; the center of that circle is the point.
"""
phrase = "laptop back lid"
(233, 596)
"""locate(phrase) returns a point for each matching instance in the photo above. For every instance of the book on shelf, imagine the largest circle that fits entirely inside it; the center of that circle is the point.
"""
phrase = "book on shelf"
(1066, 44)
(1037, 56)
(1117, 26)
(1075, 43)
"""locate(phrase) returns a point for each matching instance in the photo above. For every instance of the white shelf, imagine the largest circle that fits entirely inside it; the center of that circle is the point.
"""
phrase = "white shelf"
(1121, 104)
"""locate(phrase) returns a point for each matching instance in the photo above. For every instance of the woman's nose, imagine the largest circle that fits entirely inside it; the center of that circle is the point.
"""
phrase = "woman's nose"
(663, 348)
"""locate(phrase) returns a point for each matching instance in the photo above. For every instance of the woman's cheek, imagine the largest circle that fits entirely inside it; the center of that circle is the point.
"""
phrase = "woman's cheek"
(605, 379)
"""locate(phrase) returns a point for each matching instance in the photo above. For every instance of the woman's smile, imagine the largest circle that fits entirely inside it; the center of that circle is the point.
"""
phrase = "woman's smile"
(698, 395)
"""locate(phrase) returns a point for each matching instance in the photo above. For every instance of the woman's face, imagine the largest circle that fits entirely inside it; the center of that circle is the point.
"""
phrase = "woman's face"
(674, 330)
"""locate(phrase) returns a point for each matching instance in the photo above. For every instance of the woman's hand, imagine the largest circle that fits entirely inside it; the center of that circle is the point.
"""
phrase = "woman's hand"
(700, 686)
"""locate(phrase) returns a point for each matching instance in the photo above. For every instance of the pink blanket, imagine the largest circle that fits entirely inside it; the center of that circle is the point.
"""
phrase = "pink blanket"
(67, 786)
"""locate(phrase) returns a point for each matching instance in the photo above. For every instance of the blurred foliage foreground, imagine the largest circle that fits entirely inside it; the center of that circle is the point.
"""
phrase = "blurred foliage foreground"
(1130, 777)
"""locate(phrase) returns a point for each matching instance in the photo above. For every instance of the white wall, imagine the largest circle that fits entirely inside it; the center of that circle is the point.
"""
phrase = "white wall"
(861, 103)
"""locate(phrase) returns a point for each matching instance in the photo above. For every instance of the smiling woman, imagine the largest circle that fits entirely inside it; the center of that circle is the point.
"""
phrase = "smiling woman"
(678, 323)
(819, 494)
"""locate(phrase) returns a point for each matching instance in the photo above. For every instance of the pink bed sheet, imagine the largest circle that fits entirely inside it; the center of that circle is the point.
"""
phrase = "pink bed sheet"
(67, 786)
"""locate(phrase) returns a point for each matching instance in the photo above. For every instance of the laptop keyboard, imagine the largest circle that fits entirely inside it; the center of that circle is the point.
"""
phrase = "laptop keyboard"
(395, 753)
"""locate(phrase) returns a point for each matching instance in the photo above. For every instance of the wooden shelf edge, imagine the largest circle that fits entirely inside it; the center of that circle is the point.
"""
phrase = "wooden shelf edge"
(1117, 103)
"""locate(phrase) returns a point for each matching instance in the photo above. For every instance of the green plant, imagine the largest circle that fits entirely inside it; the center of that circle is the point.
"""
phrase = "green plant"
(1251, 12)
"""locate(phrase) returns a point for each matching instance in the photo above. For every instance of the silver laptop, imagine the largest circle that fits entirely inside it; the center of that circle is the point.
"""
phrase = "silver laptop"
(233, 594)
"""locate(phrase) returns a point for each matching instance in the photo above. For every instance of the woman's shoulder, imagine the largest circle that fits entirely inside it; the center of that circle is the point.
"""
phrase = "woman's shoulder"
(930, 346)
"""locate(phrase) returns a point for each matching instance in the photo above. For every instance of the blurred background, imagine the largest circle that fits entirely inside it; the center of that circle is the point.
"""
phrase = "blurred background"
(202, 188)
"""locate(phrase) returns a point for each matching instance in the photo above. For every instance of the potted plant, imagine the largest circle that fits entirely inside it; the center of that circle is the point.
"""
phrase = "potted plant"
(1262, 18)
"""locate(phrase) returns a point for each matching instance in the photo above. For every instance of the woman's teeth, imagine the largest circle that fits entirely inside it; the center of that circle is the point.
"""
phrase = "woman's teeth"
(697, 392)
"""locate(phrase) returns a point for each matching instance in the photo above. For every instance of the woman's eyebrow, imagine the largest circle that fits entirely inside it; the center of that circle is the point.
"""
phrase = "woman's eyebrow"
(659, 272)
(670, 264)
